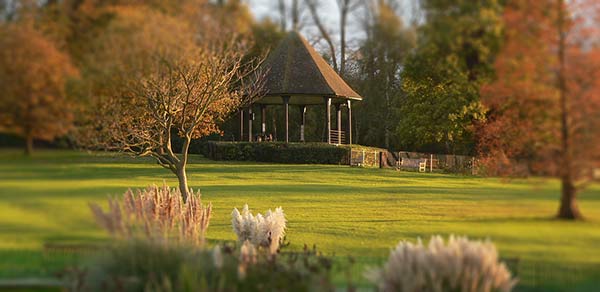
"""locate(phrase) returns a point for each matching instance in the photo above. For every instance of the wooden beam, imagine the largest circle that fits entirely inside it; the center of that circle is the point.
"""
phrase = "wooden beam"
(328, 118)
(242, 125)
(302, 121)
(263, 119)
(338, 122)
(349, 135)
(286, 105)
(250, 123)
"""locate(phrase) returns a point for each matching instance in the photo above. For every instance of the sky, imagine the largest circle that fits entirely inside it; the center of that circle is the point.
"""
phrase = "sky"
(329, 14)
(268, 8)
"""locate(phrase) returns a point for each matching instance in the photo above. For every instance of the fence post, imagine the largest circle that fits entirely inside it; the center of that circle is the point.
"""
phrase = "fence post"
(431, 163)
(362, 161)
(375, 157)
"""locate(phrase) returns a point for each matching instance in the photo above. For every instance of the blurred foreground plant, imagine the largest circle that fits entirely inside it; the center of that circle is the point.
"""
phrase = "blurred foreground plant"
(157, 214)
(461, 265)
(147, 266)
(262, 231)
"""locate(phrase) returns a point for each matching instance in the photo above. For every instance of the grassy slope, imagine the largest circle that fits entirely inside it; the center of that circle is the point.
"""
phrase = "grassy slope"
(344, 210)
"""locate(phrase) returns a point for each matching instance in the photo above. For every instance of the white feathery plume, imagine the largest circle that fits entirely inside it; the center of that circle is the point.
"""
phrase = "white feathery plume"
(264, 231)
(459, 265)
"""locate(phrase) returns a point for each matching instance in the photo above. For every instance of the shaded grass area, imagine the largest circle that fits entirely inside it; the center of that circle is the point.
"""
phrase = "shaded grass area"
(344, 210)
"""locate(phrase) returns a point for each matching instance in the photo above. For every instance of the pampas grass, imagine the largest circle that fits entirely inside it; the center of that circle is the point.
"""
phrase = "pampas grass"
(262, 231)
(157, 214)
(460, 265)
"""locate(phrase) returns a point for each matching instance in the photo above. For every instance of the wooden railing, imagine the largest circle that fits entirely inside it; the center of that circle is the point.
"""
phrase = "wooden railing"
(338, 137)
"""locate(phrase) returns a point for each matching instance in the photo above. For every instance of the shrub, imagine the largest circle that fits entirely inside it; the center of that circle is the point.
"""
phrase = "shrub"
(156, 214)
(146, 266)
(303, 153)
(461, 265)
(264, 231)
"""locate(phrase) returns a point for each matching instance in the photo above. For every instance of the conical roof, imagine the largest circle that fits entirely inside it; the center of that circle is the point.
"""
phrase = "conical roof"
(295, 69)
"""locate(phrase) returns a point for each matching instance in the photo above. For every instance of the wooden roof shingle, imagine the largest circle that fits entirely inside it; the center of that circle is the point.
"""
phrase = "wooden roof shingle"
(295, 69)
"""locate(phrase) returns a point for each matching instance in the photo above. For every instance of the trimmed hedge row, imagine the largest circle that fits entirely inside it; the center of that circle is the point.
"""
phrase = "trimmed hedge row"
(298, 153)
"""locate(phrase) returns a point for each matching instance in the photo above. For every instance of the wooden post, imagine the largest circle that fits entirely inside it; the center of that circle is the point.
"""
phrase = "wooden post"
(362, 160)
(286, 105)
(250, 124)
(349, 135)
(431, 163)
(242, 125)
(263, 119)
(328, 119)
(338, 109)
(302, 121)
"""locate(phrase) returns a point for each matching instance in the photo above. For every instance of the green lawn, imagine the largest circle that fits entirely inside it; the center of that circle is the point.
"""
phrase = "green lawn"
(344, 210)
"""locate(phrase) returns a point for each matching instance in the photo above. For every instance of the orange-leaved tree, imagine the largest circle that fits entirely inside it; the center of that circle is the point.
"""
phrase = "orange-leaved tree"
(544, 106)
(33, 75)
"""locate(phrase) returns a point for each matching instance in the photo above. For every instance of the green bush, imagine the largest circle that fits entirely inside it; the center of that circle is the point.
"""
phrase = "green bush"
(299, 153)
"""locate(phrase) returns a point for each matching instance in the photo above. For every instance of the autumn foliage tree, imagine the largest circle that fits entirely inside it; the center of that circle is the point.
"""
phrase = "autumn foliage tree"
(155, 81)
(33, 75)
(544, 106)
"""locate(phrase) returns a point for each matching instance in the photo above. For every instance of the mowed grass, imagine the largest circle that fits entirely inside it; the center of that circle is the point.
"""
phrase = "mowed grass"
(343, 210)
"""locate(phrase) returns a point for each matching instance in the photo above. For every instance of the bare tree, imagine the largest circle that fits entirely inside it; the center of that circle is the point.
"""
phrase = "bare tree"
(290, 9)
(282, 15)
(313, 7)
(187, 94)
(295, 15)
(345, 7)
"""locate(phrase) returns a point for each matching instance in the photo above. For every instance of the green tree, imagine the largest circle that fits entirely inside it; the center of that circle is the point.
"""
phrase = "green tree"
(454, 56)
(382, 56)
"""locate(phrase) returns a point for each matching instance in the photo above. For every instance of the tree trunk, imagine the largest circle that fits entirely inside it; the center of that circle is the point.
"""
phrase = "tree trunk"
(28, 145)
(282, 15)
(295, 16)
(183, 185)
(312, 7)
(568, 205)
(568, 201)
(343, 16)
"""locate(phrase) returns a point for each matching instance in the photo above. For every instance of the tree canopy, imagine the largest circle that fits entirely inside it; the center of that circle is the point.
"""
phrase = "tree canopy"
(456, 48)
(33, 77)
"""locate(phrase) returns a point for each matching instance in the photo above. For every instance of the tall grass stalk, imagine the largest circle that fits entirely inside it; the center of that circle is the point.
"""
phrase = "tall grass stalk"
(157, 214)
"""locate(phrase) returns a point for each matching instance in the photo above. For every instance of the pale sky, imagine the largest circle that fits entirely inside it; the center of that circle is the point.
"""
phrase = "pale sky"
(329, 16)
(328, 12)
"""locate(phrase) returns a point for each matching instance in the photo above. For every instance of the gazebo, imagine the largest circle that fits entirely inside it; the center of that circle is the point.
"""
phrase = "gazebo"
(297, 75)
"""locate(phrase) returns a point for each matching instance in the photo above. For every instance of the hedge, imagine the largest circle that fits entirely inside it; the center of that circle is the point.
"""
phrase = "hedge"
(298, 153)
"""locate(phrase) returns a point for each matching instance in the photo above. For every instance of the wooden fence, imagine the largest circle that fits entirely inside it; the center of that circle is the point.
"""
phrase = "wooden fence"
(415, 161)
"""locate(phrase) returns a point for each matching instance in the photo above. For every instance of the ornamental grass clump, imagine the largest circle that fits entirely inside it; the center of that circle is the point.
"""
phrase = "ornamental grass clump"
(157, 214)
(262, 231)
(146, 266)
(460, 265)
